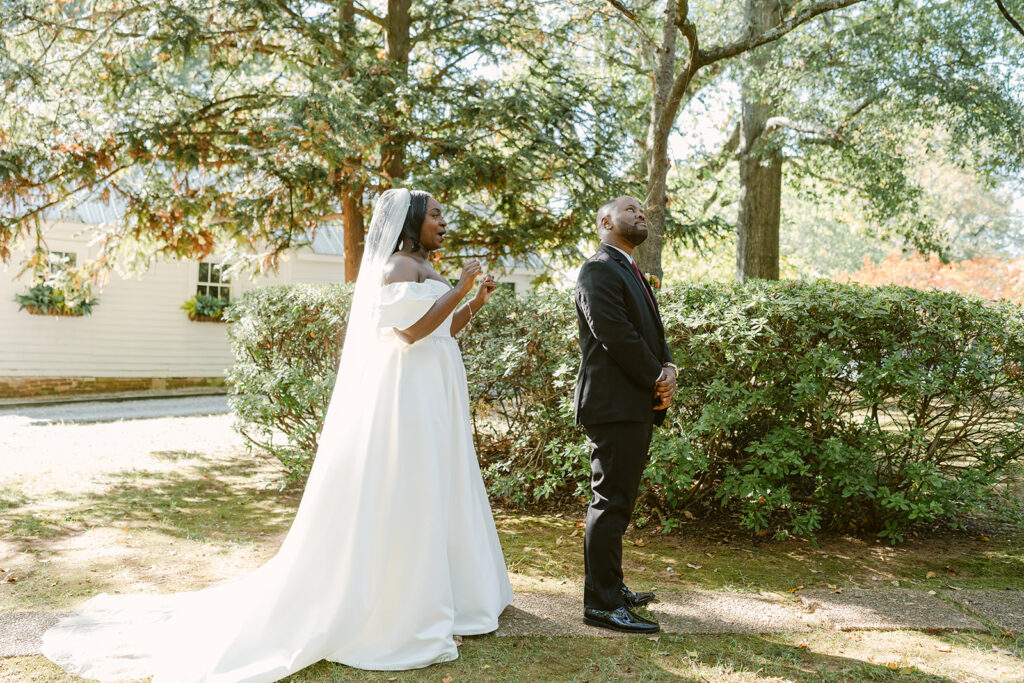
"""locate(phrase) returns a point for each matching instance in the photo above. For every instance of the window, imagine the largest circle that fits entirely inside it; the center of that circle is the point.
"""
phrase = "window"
(59, 261)
(213, 281)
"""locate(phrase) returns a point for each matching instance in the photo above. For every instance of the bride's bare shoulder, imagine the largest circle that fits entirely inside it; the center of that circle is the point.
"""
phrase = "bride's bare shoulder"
(401, 268)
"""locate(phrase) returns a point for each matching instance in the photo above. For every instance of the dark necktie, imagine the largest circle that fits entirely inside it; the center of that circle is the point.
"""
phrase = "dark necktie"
(644, 285)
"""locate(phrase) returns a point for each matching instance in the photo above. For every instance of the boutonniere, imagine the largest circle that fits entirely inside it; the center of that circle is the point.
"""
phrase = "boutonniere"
(653, 280)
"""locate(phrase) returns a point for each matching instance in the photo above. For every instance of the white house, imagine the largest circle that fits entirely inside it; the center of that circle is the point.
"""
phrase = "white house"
(138, 337)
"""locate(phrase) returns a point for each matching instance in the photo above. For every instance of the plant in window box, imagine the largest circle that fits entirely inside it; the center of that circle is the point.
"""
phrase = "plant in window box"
(61, 292)
(206, 308)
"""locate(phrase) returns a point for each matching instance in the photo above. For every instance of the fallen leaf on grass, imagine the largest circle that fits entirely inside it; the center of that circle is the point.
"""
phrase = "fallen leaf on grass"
(447, 678)
(930, 575)
(983, 538)
(11, 579)
(581, 524)
(794, 590)
(688, 514)
(944, 648)
(802, 644)
(693, 565)
(654, 639)
(951, 571)
(559, 540)
(639, 543)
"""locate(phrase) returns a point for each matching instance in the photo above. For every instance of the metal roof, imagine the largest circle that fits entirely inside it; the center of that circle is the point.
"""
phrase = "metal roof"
(329, 238)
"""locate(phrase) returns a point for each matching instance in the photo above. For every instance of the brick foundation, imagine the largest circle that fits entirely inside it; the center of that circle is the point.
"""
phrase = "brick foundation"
(31, 387)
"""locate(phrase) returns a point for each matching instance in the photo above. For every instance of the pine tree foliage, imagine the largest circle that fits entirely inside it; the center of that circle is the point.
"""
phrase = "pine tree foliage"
(244, 125)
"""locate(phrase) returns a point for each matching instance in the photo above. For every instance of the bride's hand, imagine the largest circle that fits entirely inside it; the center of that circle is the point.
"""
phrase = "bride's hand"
(470, 272)
(483, 293)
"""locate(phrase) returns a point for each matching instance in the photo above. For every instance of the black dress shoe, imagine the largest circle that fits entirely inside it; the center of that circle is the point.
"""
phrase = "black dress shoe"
(635, 599)
(620, 619)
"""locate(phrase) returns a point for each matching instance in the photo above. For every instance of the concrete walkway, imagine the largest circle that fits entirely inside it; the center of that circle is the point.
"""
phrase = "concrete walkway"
(86, 412)
(849, 609)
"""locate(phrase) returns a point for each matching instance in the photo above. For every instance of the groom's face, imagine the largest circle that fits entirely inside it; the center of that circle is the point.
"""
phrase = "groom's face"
(627, 221)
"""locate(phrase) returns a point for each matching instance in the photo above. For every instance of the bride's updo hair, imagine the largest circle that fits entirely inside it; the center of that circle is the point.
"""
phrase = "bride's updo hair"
(414, 220)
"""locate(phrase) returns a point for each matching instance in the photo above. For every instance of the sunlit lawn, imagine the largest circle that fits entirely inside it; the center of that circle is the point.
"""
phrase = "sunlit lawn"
(188, 519)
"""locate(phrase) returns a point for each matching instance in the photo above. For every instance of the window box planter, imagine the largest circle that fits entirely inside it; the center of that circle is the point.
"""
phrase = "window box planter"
(43, 299)
(200, 318)
(203, 308)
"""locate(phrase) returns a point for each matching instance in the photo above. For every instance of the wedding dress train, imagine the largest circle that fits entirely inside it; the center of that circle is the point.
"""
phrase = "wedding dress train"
(393, 550)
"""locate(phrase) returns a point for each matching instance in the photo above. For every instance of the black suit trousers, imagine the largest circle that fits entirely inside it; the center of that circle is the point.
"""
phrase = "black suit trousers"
(618, 455)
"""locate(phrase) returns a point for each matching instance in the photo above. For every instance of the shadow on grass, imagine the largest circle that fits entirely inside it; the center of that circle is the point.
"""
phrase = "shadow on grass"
(10, 499)
(215, 500)
(697, 659)
(549, 547)
(670, 658)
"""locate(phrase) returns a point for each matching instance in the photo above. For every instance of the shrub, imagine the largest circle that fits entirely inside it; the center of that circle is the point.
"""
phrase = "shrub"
(841, 405)
(521, 359)
(286, 341)
(800, 406)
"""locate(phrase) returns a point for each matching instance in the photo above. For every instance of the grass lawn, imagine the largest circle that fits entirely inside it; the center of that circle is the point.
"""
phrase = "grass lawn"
(826, 656)
(179, 518)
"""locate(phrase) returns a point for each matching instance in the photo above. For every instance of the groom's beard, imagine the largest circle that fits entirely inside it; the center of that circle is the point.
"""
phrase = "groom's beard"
(636, 235)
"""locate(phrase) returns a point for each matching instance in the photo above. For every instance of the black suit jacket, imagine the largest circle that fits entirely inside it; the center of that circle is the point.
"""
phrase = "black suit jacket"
(622, 341)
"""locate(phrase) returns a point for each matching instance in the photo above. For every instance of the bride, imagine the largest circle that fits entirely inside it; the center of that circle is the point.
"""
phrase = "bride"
(393, 550)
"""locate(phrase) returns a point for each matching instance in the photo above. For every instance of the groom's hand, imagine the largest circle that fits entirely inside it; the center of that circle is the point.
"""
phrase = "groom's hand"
(664, 388)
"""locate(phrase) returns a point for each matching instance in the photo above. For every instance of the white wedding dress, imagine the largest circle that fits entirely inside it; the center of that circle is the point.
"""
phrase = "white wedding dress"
(393, 550)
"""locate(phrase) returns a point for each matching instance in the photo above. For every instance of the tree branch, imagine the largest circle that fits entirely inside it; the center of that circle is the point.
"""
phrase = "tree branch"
(1009, 17)
(742, 45)
(777, 122)
(685, 75)
(826, 135)
(367, 14)
(628, 13)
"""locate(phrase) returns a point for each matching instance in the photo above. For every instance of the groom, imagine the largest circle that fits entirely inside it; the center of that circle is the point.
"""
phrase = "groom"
(625, 384)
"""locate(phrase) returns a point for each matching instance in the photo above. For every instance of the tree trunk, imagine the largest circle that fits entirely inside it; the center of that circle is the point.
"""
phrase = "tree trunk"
(351, 192)
(648, 254)
(399, 46)
(352, 216)
(757, 230)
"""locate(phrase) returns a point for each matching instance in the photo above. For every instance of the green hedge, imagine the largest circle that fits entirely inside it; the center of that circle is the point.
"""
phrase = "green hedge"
(800, 406)
(839, 405)
(286, 341)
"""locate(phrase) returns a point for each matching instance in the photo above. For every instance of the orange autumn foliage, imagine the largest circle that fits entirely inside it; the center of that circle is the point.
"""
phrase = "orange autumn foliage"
(990, 277)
